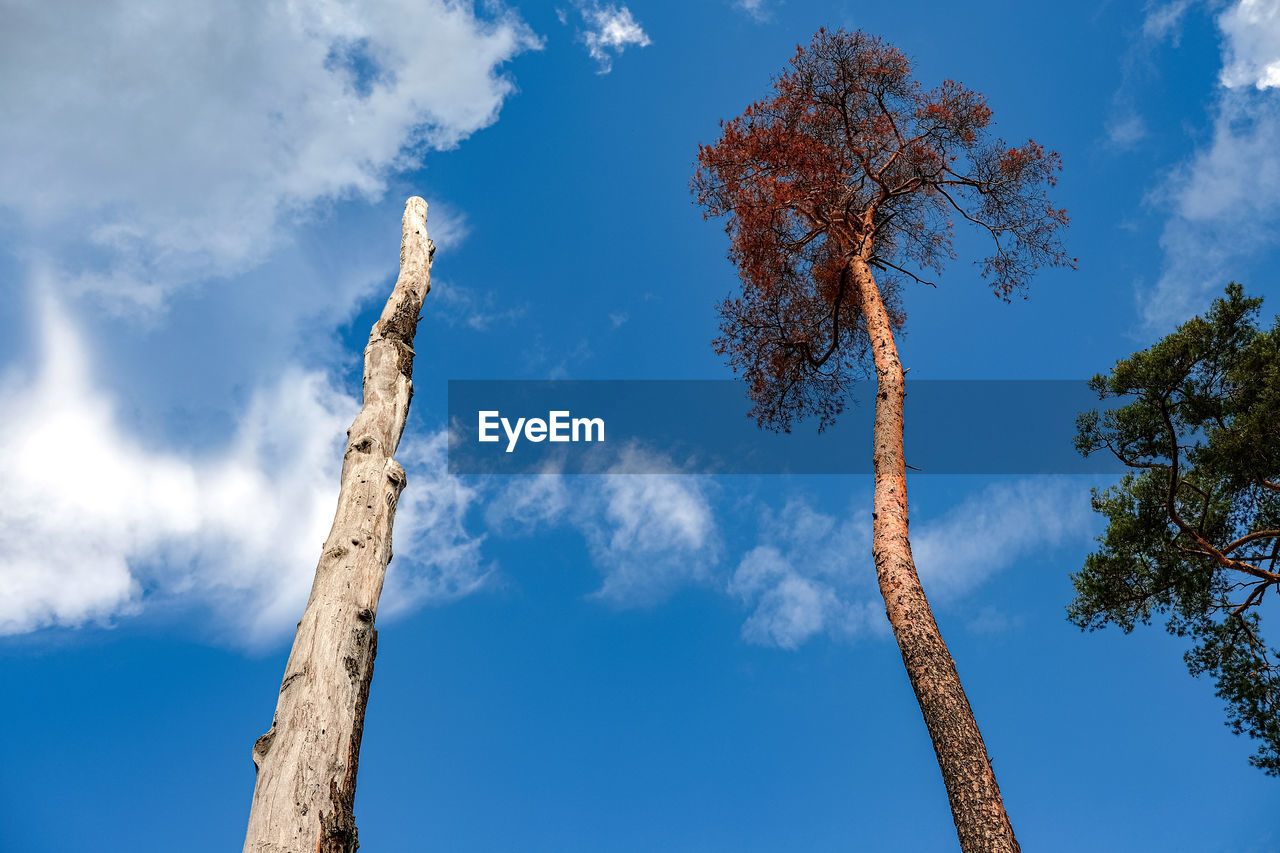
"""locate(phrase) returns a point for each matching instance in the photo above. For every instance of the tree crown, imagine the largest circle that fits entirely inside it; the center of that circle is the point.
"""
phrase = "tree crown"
(850, 159)
(1193, 530)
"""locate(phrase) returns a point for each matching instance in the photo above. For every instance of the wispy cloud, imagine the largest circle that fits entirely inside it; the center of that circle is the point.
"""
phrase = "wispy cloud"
(998, 527)
(1163, 20)
(462, 306)
(991, 621)
(96, 523)
(1224, 202)
(812, 572)
(1126, 128)
(608, 30)
(525, 504)
(647, 534)
(656, 532)
(755, 8)
(790, 607)
(440, 558)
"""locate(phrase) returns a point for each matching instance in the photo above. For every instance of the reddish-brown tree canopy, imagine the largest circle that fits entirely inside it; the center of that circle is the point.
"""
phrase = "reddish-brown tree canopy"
(851, 160)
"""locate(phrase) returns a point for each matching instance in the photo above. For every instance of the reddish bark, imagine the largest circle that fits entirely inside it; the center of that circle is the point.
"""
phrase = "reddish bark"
(849, 167)
(976, 804)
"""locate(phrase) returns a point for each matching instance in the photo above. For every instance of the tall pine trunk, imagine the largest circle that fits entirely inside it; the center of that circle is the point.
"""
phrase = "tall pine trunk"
(306, 763)
(981, 821)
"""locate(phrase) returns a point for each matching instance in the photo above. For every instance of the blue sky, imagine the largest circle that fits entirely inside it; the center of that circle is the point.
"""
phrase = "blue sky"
(199, 218)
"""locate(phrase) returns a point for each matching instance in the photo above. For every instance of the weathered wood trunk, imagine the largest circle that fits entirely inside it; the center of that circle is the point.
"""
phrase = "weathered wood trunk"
(976, 806)
(307, 761)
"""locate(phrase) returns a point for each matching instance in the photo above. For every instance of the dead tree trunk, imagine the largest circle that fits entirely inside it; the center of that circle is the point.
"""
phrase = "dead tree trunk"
(976, 806)
(306, 763)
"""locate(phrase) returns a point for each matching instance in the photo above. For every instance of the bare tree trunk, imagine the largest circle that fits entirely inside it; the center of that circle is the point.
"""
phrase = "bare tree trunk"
(981, 821)
(307, 761)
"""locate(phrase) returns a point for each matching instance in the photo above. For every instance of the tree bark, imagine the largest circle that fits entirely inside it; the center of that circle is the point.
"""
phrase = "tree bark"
(306, 763)
(980, 818)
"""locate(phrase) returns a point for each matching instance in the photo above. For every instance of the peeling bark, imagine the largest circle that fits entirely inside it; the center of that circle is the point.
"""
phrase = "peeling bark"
(976, 806)
(307, 762)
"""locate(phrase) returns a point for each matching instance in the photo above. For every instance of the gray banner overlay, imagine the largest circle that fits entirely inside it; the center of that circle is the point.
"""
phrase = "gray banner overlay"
(702, 427)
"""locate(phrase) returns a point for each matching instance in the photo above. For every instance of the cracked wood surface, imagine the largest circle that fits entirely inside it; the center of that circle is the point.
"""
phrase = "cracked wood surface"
(306, 763)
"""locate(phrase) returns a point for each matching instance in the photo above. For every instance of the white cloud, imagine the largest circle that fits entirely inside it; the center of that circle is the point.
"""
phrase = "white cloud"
(647, 534)
(791, 606)
(1126, 128)
(657, 532)
(1251, 32)
(1225, 206)
(997, 527)
(812, 573)
(991, 620)
(148, 146)
(527, 503)
(180, 140)
(1224, 201)
(1236, 175)
(95, 521)
(754, 8)
(1163, 20)
(439, 559)
(462, 306)
(608, 30)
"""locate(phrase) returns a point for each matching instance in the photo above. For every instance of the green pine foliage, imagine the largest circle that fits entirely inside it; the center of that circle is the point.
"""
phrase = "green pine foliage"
(1193, 529)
